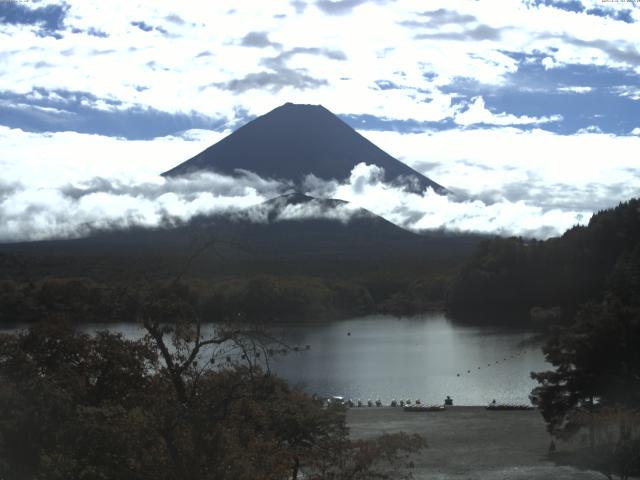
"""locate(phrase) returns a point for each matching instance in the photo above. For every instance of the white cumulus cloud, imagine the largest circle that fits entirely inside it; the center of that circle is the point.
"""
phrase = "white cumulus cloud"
(477, 112)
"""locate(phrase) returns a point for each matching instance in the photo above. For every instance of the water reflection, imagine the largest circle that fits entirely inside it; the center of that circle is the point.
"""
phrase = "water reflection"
(426, 357)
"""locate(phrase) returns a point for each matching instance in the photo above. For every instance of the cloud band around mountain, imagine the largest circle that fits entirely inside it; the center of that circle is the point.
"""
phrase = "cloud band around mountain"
(75, 210)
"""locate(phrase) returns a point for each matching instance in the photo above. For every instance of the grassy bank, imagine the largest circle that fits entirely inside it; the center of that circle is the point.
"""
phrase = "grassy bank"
(473, 443)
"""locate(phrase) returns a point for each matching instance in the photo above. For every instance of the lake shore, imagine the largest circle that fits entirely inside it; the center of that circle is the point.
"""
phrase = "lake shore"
(473, 443)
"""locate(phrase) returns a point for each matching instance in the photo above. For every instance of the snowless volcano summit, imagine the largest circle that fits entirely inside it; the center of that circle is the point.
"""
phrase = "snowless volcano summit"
(293, 141)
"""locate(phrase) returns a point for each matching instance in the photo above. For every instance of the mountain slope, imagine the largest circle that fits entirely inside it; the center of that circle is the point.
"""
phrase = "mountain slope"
(293, 141)
(291, 232)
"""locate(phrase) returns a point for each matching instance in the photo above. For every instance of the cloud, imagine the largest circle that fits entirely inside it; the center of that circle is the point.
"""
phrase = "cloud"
(627, 91)
(281, 75)
(589, 129)
(231, 75)
(8, 188)
(187, 186)
(387, 85)
(477, 34)
(477, 113)
(142, 26)
(442, 16)
(258, 39)
(505, 181)
(620, 52)
(59, 110)
(548, 63)
(91, 31)
(274, 81)
(54, 159)
(281, 209)
(343, 7)
(299, 5)
(575, 89)
(567, 5)
(370, 122)
(583, 95)
(576, 6)
(75, 210)
(50, 18)
(101, 203)
(148, 28)
(279, 61)
(430, 211)
(206, 78)
(543, 169)
(173, 18)
(621, 14)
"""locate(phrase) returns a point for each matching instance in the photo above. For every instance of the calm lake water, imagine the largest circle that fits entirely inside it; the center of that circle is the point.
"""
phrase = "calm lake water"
(420, 357)
(426, 357)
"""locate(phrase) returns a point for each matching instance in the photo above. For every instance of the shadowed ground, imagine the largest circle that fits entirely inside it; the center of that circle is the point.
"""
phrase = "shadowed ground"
(472, 443)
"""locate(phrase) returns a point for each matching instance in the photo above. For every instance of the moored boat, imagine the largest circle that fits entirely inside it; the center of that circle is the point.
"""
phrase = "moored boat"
(423, 408)
(508, 406)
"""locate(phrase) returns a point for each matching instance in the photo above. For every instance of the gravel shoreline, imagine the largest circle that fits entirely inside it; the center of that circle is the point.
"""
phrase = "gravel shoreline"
(472, 443)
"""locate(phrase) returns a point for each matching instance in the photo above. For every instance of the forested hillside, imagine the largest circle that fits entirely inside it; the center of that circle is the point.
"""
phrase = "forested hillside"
(315, 268)
(515, 274)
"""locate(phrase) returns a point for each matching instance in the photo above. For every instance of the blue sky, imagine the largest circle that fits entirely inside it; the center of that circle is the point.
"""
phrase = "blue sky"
(528, 111)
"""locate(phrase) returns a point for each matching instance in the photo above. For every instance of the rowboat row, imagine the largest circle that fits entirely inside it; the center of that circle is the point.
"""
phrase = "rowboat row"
(508, 406)
(406, 405)
(418, 406)
(423, 408)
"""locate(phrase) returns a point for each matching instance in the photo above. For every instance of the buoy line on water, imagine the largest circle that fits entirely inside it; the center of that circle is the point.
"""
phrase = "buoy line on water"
(519, 353)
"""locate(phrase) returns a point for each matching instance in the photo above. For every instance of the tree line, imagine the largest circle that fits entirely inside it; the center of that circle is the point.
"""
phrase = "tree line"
(517, 274)
(256, 297)
(593, 390)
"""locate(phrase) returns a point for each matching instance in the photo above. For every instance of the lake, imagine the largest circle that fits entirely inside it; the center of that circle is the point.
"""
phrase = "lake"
(427, 357)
